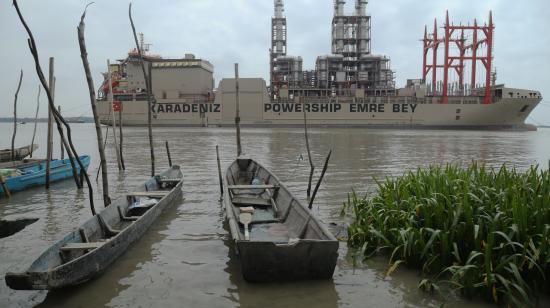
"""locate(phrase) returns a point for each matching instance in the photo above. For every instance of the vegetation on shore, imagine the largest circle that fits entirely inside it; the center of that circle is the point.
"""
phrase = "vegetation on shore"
(483, 231)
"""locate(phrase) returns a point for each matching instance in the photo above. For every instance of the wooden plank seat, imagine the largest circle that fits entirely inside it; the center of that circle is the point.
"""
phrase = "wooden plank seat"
(168, 180)
(126, 218)
(244, 201)
(150, 194)
(81, 246)
(231, 187)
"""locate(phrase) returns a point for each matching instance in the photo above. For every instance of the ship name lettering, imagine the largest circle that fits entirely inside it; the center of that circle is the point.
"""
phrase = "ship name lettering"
(356, 108)
(404, 108)
(185, 108)
(310, 108)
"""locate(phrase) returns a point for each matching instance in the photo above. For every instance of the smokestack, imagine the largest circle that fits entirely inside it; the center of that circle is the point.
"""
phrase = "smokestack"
(361, 7)
(339, 7)
(279, 9)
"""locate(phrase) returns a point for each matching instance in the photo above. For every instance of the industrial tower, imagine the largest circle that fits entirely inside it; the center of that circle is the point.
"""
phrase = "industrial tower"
(350, 69)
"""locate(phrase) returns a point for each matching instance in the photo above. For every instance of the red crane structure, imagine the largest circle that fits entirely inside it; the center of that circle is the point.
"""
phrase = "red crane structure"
(470, 40)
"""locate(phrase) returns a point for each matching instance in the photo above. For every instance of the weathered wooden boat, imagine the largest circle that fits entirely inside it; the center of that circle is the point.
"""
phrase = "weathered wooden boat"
(285, 241)
(86, 252)
(20, 153)
(27, 175)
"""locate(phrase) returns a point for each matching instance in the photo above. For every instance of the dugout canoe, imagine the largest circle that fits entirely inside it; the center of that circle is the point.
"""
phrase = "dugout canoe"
(20, 153)
(89, 250)
(286, 241)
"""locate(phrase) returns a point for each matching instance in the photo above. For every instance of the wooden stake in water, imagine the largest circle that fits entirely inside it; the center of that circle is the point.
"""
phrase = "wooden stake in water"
(15, 117)
(312, 167)
(320, 180)
(219, 170)
(237, 111)
(111, 102)
(35, 119)
(150, 96)
(121, 135)
(91, 92)
(49, 144)
(62, 148)
(168, 153)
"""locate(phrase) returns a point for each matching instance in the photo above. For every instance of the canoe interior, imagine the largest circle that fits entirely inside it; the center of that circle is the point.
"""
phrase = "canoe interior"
(107, 224)
(20, 153)
(285, 222)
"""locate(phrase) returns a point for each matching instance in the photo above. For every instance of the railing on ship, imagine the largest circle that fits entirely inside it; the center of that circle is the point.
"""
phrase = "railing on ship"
(458, 100)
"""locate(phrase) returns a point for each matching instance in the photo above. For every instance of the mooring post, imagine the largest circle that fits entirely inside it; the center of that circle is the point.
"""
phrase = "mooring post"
(15, 117)
(121, 135)
(49, 146)
(219, 170)
(113, 119)
(237, 113)
(168, 153)
(35, 119)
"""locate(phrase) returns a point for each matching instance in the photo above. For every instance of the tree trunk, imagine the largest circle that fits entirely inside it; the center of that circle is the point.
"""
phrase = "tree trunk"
(15, 117)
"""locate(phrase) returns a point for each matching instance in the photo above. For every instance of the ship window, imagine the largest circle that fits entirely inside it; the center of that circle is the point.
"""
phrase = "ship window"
(524, 108)
(458, 110)
(457, 118)
(164, 95)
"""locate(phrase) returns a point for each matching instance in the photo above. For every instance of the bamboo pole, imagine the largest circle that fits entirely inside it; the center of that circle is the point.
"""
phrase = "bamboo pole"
(62, 148)
(320, 180)
(35, 119)
(15, 117)
(150, 96)
(49, 144)
(121, 136)
(104, 145)
(219, 171)
(59, 120)
(237, 111)
(312, 167)
(168, 153)
(111, 98)
(91, 92)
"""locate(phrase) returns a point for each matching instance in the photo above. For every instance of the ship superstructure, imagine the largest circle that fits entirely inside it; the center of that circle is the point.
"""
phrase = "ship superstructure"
(349, 70)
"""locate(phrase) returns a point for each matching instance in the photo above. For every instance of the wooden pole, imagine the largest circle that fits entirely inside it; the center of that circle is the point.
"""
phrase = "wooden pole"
(59, 120)
(5, 187)
(237, 111)
(62, 148)
(121, 136)
(219, 170)
(111, 98)
(320, 180)
(15, 117)
(150, 96)
(49, 146)
(312, 167)
(168, 153)
(104, 145)
(35, 119)
(91, 92)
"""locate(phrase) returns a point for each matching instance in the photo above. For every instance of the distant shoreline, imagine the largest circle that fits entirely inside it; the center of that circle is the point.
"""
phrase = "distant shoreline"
(43, 120)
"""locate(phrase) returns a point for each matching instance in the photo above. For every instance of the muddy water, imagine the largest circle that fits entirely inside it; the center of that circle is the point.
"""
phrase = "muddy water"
(185, 259)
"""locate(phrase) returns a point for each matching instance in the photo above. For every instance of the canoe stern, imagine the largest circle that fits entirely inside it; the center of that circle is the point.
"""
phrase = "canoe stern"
(300, 260)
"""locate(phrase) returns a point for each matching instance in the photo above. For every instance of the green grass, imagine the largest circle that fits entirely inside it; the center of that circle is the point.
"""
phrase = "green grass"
(484, 232)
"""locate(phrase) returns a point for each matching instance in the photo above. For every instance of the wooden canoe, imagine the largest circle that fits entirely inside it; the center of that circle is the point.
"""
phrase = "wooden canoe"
(86, 252)
(20, 153)
(286, 241)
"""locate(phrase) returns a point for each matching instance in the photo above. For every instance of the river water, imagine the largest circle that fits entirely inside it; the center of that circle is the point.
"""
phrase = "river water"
(185, 259)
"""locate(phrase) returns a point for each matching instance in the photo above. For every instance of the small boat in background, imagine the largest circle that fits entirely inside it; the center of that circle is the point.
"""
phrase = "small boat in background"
(89, 250)
(33, 173)
(286, 241)
(20, 153)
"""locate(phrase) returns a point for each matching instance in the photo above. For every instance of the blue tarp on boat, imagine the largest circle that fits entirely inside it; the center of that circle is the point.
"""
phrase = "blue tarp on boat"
(35, 175)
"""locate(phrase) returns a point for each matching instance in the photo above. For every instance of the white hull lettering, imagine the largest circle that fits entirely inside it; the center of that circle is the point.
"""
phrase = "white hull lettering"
(185, 108)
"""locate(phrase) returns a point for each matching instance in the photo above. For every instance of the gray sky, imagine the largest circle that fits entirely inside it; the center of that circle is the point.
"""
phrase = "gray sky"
(229, 31)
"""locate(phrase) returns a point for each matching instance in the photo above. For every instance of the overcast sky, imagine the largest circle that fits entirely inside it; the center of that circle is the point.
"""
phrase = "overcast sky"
(229, 31)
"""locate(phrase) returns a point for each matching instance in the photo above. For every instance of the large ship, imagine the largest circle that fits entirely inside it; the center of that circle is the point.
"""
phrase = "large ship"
(350, 87)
